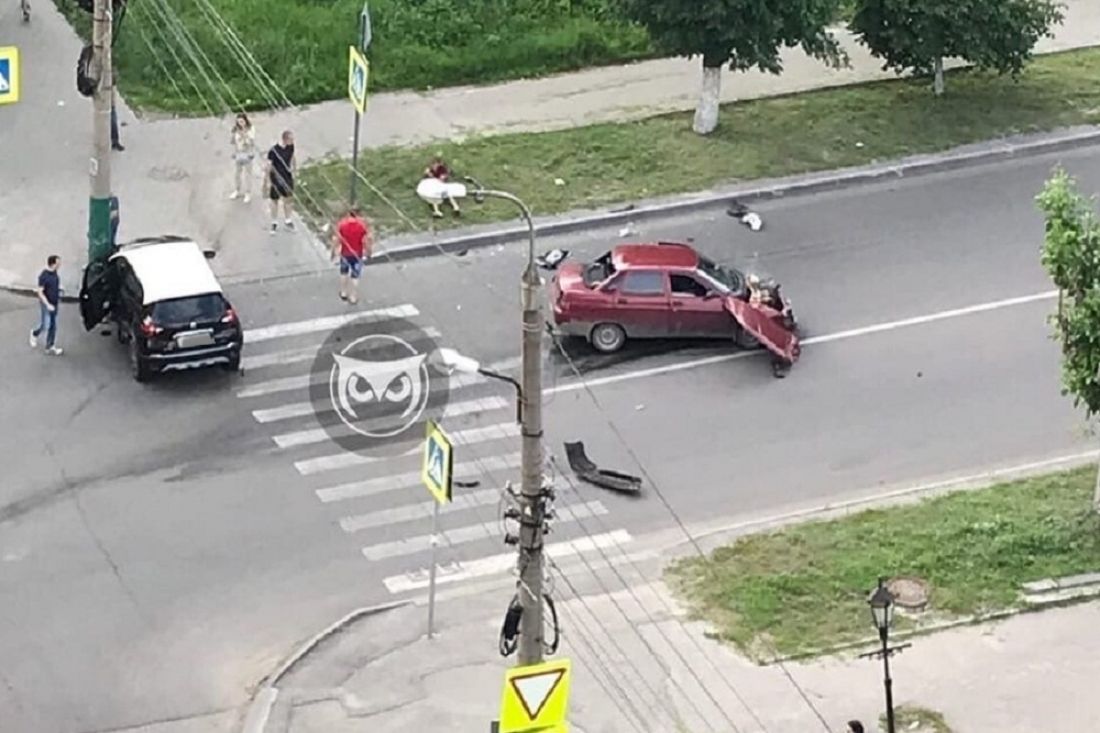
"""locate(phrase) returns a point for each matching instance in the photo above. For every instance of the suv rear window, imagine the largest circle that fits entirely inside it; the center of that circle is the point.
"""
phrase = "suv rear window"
(197, 308)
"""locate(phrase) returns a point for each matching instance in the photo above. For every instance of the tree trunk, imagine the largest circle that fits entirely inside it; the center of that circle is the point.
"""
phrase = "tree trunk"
(706, 114)
(937, 79)
(1096, 494)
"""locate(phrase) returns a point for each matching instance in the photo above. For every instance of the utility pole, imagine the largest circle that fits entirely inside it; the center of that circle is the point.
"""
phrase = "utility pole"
(532, 496)
(99, 205)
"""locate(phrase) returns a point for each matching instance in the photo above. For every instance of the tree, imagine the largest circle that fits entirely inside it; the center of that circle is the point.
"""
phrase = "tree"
(917, 35)
(1071, 255)
(741, 33)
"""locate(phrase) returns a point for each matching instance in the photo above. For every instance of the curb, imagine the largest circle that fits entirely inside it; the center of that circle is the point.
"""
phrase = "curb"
(1020, 146)
(259, 708)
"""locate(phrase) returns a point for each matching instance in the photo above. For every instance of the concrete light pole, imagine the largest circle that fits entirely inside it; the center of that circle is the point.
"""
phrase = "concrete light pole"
(532, 495)
(99, 204)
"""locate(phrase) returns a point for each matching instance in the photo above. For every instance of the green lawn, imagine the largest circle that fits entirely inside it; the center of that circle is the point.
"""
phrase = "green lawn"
(805, 588)
(605, 164)
(303, 46)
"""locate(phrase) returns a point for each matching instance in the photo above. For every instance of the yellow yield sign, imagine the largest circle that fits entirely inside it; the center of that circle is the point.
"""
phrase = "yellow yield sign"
(358, 73)
(536, 698)
(9, 74)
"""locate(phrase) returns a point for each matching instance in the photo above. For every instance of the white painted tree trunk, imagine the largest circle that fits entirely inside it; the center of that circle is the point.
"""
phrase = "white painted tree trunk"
(706, 114)
(937, 80)
(1096, 494)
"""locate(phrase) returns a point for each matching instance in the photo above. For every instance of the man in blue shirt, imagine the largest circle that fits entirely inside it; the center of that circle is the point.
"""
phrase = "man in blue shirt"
(49, 299)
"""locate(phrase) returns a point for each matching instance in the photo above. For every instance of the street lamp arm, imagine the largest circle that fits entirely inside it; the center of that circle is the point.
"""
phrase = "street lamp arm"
(512, 381)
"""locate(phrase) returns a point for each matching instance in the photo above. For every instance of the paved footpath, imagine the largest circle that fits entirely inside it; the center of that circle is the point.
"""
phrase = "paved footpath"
(638, 666)
(175, 175)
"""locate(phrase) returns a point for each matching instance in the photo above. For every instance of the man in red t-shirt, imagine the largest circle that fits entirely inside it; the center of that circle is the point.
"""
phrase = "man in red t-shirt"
(352, 244)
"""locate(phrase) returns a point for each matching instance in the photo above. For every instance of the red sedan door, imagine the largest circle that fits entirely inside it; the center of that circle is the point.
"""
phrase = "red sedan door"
(638, 301)
(697, 311)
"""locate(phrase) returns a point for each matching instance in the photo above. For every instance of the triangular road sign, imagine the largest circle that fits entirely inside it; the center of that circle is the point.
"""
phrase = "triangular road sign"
(535, 690)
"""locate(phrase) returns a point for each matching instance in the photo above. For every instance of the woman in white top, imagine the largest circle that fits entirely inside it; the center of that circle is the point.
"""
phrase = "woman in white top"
(244, 151)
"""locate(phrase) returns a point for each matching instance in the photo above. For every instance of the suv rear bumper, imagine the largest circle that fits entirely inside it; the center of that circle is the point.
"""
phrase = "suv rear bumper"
(194, 358)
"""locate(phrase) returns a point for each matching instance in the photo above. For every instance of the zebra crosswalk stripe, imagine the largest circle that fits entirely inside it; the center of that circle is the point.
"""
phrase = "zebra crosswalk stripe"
(411, 480)
(326, 323)
(472, 533)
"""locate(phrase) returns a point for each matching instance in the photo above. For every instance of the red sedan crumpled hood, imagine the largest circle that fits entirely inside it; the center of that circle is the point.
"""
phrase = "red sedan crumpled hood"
(766, 324)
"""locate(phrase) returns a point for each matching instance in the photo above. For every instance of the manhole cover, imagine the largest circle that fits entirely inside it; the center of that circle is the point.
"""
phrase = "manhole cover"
(909, 592)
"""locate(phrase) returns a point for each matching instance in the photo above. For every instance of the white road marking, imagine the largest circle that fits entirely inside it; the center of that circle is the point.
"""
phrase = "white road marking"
(309, 353)
(305, 381)
(423, 510)
(826, 338)
(326, 323)
(302, 381)
(320, 435)
(472, 533)
(502, 563)
(348, 460)
(411, 480)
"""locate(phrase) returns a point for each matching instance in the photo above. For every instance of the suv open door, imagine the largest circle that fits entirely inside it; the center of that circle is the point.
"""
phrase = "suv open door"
(98, 290)
(766, 324)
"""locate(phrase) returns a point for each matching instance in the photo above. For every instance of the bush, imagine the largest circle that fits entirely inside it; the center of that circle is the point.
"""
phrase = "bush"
(302, 45)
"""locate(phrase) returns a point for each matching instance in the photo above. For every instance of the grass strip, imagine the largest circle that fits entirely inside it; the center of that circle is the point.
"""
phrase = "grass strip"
(164, 45)
(833, 128)
(805, 588)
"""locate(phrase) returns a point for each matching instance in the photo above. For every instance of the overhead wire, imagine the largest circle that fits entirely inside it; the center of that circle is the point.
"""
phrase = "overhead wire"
(246, 60)
(678, 520)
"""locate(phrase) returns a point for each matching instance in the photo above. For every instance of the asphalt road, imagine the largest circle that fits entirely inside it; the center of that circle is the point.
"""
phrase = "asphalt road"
(161, 551)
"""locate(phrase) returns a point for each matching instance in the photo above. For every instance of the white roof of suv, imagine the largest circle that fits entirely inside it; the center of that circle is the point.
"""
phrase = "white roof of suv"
(168, 268)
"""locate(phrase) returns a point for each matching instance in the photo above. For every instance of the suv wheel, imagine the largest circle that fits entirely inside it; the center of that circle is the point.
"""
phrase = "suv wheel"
(607, 338)
(139, 368)
(234, 363)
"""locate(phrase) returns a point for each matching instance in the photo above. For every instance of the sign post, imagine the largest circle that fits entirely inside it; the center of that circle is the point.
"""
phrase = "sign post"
(358, 72)
(436, 474)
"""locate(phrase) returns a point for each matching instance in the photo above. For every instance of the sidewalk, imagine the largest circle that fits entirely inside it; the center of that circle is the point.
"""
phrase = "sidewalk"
(175, 175)
(1029, 673)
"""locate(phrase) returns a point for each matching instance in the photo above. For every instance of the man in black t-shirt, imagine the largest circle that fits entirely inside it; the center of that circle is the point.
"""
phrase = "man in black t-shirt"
(49, 298)
(279, 179)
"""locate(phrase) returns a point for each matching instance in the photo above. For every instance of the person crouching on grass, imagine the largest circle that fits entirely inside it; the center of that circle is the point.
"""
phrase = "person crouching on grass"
(351, 247)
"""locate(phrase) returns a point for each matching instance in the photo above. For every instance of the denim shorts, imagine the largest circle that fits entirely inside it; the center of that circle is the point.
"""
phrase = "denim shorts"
(351, 266)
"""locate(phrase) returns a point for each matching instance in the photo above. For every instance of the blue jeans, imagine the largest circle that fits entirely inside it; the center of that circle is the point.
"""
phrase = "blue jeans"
(47, 322)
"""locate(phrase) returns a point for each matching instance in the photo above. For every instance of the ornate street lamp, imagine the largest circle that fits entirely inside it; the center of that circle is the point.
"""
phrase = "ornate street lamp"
(881, 602)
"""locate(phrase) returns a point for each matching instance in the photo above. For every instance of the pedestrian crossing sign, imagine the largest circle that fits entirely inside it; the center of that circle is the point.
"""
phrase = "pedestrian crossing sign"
(358, 74)
(9, 74)
(438, 463)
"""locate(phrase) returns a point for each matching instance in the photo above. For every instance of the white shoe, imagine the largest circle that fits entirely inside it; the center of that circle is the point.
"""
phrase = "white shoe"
(289, 224)
(33, 340)
(247, 198)
(233, 196)
(55, 351)
(274, 227)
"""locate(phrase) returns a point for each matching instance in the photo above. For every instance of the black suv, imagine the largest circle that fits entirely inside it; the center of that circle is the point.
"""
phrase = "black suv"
(167, 305)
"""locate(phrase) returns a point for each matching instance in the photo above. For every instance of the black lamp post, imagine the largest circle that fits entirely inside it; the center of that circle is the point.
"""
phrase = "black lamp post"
(882, 612)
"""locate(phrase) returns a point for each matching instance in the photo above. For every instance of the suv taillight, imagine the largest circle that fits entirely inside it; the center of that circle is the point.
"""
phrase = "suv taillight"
(148, 328)
(230, 315)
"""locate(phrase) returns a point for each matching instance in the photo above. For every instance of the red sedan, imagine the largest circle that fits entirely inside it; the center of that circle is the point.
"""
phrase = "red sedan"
(669, 291)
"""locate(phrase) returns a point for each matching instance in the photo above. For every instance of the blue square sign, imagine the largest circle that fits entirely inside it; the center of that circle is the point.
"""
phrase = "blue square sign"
(9, 74)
